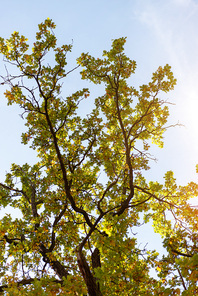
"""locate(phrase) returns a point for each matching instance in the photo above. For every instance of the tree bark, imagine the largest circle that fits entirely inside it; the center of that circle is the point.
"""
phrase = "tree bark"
(92, 287)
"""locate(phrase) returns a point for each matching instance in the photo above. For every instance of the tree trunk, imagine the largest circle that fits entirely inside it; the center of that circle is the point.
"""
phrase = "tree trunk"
(92, 287)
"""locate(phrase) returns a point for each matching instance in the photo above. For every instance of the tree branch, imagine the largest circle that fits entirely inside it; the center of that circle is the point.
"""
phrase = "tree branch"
(25, 282)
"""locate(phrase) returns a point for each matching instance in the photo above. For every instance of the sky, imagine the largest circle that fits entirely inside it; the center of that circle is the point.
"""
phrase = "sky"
(158, 32)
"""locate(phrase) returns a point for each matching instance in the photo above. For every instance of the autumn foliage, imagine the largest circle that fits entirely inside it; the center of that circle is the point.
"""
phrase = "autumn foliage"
(80, 205)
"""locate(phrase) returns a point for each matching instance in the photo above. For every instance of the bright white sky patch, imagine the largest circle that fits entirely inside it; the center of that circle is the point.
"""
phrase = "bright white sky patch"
(173, 26)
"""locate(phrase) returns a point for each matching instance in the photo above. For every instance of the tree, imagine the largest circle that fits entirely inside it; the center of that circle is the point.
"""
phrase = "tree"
(79, 202)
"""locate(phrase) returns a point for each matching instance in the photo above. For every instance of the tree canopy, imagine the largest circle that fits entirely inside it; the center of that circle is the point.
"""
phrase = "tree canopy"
(79, 204)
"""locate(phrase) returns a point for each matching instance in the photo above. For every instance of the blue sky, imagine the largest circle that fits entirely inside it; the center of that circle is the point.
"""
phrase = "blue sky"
(158, 32)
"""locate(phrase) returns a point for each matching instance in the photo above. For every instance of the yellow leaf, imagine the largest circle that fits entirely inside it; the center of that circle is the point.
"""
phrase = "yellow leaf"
(159, 268)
